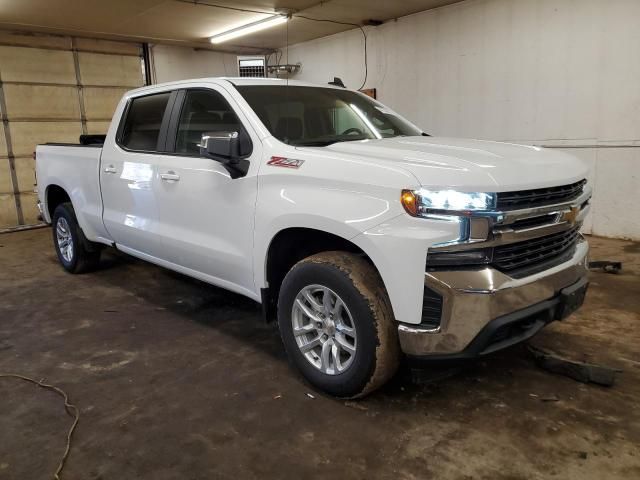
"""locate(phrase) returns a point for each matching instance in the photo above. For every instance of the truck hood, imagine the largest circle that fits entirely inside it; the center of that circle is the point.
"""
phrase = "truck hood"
(469, 165)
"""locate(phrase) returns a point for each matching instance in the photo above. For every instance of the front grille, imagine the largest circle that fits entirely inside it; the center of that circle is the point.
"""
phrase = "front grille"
(431, 308)
(525, 258)
(533, 221)
(539, 197)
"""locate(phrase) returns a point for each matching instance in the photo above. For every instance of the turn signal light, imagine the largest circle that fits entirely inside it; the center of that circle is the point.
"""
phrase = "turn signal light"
(409, 202)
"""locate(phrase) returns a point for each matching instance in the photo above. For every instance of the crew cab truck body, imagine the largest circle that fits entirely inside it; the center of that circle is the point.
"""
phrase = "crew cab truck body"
(363, 235)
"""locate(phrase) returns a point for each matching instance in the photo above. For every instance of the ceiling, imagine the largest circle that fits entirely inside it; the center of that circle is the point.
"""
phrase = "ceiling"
(190, 23)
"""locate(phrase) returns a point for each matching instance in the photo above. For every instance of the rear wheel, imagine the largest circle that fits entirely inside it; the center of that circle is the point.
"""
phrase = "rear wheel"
(337, 325)
(75, 252)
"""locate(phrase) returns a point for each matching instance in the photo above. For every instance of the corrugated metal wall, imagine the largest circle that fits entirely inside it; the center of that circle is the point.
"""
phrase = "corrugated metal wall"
(52, 89)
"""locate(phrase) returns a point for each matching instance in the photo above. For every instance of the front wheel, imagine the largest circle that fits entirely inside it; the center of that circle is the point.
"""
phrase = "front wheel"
(337, 325)
(75, 252)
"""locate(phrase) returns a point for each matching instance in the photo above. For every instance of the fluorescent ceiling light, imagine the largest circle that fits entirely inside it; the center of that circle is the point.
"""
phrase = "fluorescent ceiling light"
(249, 28)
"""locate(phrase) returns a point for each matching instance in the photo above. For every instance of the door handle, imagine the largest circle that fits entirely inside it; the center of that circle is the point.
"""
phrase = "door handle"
(110, 169)
(170, 176)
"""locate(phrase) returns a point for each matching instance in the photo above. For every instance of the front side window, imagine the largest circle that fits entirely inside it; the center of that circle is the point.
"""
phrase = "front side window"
(316, 116)
(144, 120)
(203, 111)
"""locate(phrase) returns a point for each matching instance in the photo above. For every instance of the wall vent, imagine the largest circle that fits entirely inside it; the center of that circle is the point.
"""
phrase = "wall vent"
(252, 67)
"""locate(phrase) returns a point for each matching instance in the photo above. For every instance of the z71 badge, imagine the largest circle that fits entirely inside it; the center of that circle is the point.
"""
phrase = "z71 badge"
(285, 162)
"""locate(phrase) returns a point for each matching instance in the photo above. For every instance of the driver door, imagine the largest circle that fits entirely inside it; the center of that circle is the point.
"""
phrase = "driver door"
(206, 216)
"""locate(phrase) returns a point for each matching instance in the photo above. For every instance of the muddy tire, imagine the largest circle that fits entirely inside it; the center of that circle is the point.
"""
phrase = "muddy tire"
(75, 252)
(337, 325)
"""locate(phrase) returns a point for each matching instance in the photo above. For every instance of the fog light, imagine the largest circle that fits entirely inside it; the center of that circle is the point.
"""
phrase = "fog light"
(463, 257)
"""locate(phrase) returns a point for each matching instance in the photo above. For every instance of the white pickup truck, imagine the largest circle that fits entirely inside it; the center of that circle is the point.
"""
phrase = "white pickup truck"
(365, 237)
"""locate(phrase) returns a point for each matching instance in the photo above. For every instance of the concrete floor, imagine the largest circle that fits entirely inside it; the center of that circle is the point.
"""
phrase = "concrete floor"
(179, 380)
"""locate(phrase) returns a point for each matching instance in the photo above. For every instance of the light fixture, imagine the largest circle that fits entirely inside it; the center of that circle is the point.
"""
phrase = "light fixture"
(284, 69)
(249, 28)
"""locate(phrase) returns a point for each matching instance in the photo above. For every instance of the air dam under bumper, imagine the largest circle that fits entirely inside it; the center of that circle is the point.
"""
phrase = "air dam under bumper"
(485, 310)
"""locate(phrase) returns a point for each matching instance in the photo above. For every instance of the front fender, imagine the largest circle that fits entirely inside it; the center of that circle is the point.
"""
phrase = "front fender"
(341, 195)
(398, 249)
(340, 209)
(294, 220)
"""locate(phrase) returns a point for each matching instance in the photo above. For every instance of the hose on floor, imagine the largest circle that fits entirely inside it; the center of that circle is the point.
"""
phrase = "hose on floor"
(71, 410)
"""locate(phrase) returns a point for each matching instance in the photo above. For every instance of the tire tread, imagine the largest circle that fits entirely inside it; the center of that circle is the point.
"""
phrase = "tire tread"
(368, 283)
(87, 253)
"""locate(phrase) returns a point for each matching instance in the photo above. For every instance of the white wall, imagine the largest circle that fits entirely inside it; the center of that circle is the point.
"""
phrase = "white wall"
(547, 72)
(178, 63)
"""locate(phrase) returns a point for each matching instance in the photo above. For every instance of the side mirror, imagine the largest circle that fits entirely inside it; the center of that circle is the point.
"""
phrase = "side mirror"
(221, 146)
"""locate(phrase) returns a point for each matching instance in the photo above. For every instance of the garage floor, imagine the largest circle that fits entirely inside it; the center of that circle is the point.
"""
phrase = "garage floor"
(179, 380)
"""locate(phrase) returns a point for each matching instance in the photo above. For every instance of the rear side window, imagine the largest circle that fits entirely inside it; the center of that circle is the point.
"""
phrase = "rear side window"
(204, 111)
(144, 120)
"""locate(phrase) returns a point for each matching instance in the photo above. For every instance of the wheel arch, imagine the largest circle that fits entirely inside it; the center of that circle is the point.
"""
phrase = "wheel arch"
(290, 245)
(54, 196)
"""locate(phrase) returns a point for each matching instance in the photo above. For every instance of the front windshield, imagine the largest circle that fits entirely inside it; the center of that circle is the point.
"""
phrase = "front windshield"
(316, 116)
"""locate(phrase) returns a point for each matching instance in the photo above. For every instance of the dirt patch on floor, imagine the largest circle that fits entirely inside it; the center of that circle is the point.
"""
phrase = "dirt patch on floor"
(176, 379)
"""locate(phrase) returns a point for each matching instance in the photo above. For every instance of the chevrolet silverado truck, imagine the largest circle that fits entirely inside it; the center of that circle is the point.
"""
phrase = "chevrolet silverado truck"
(364, 237)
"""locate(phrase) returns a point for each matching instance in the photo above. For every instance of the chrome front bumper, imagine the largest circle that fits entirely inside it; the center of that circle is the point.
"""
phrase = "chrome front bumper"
(472, 299)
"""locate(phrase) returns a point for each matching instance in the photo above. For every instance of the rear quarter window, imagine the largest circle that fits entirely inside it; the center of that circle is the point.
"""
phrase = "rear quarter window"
(143, 122)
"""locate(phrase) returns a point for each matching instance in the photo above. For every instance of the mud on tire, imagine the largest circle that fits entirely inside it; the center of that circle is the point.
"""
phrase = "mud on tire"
(356, 282)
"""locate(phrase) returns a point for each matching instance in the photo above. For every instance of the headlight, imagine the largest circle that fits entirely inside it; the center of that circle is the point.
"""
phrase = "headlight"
(434, 203)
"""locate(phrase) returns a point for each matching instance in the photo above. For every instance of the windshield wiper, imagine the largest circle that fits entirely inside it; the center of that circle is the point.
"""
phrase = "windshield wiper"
(324, 143)
(315, 143)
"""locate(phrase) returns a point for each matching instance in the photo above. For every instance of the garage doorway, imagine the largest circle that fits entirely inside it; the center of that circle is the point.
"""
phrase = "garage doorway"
(52, 89)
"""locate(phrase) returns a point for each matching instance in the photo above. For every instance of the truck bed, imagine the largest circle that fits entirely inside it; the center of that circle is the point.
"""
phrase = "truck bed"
(76, 169)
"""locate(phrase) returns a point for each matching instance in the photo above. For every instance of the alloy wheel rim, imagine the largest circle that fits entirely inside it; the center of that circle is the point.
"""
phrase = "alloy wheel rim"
(323, 329)
(64, 238)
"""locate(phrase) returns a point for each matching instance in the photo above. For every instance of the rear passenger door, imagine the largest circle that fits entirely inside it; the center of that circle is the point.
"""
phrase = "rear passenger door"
(206, 216)
(129, 175)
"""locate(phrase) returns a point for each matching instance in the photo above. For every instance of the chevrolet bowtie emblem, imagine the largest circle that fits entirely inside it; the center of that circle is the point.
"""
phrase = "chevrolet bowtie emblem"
(571, 216)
